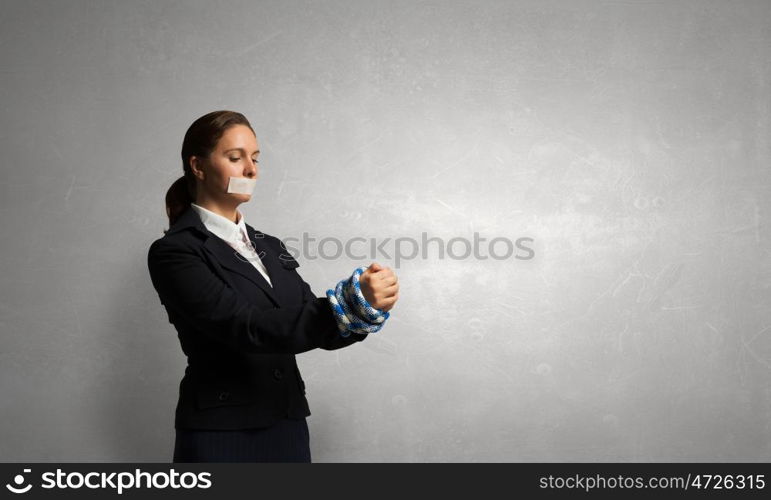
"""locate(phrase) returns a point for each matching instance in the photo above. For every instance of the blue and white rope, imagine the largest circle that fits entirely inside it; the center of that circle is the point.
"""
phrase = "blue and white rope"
(352, 311)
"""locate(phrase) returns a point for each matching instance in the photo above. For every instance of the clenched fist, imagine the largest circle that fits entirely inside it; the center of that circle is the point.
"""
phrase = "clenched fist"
(380, 286)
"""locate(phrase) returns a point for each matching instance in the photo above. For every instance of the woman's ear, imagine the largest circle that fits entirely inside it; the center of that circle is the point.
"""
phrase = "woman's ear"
(196, 165)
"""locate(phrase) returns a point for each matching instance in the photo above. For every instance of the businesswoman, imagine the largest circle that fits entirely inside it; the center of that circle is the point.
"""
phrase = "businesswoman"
(242, 311)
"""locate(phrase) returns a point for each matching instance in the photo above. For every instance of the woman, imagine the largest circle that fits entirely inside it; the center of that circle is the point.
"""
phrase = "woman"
(242, 311)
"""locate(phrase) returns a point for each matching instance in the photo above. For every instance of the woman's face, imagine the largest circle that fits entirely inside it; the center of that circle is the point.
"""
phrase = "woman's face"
(235, 155)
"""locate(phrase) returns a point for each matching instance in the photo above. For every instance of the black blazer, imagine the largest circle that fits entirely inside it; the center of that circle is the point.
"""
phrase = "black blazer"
(240, 334)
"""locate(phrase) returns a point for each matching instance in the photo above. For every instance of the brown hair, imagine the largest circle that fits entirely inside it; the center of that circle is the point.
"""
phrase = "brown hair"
(200, 140)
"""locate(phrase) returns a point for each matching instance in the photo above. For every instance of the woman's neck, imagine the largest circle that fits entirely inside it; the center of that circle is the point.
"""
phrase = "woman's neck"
(229, 212)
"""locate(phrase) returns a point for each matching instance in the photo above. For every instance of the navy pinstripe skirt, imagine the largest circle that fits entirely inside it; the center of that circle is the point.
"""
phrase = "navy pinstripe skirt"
(286, 441)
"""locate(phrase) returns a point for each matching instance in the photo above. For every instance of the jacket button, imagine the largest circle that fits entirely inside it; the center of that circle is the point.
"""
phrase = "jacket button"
(224, 395)
(277, 373)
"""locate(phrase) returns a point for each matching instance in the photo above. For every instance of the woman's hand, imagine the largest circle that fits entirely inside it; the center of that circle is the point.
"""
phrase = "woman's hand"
(380, 286)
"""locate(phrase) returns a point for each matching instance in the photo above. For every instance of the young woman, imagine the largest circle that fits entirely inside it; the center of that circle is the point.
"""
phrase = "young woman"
(242, 311)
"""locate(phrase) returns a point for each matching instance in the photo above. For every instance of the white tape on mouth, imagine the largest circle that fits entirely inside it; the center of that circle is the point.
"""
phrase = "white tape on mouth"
(241, 185)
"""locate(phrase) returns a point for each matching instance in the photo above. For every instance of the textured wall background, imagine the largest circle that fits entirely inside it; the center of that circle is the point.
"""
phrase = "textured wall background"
(629, 139)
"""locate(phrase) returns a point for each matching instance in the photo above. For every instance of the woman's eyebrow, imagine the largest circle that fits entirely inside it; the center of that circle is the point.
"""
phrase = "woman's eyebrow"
(240, 149)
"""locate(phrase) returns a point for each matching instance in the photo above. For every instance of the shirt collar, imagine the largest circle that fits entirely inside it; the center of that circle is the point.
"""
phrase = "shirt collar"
(222, 226)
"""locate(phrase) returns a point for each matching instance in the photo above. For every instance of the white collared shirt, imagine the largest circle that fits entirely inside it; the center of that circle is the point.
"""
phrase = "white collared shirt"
(234, 234)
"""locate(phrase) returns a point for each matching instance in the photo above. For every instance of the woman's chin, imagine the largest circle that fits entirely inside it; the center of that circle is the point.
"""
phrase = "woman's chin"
(242, 198)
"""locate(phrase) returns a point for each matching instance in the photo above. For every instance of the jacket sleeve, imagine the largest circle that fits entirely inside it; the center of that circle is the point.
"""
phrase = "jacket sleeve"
(187, 286)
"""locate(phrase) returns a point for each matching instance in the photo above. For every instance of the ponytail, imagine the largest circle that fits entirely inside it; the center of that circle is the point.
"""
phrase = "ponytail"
(179, 197)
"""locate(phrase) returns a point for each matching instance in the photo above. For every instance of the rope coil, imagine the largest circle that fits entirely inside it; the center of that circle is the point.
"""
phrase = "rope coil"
(352, 311)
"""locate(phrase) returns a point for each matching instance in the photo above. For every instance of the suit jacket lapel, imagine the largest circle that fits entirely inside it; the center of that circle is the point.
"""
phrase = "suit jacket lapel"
(272, 263)
(231, 259)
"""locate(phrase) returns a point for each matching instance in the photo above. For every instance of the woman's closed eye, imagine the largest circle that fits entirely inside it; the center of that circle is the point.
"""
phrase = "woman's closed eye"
(236, 159)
